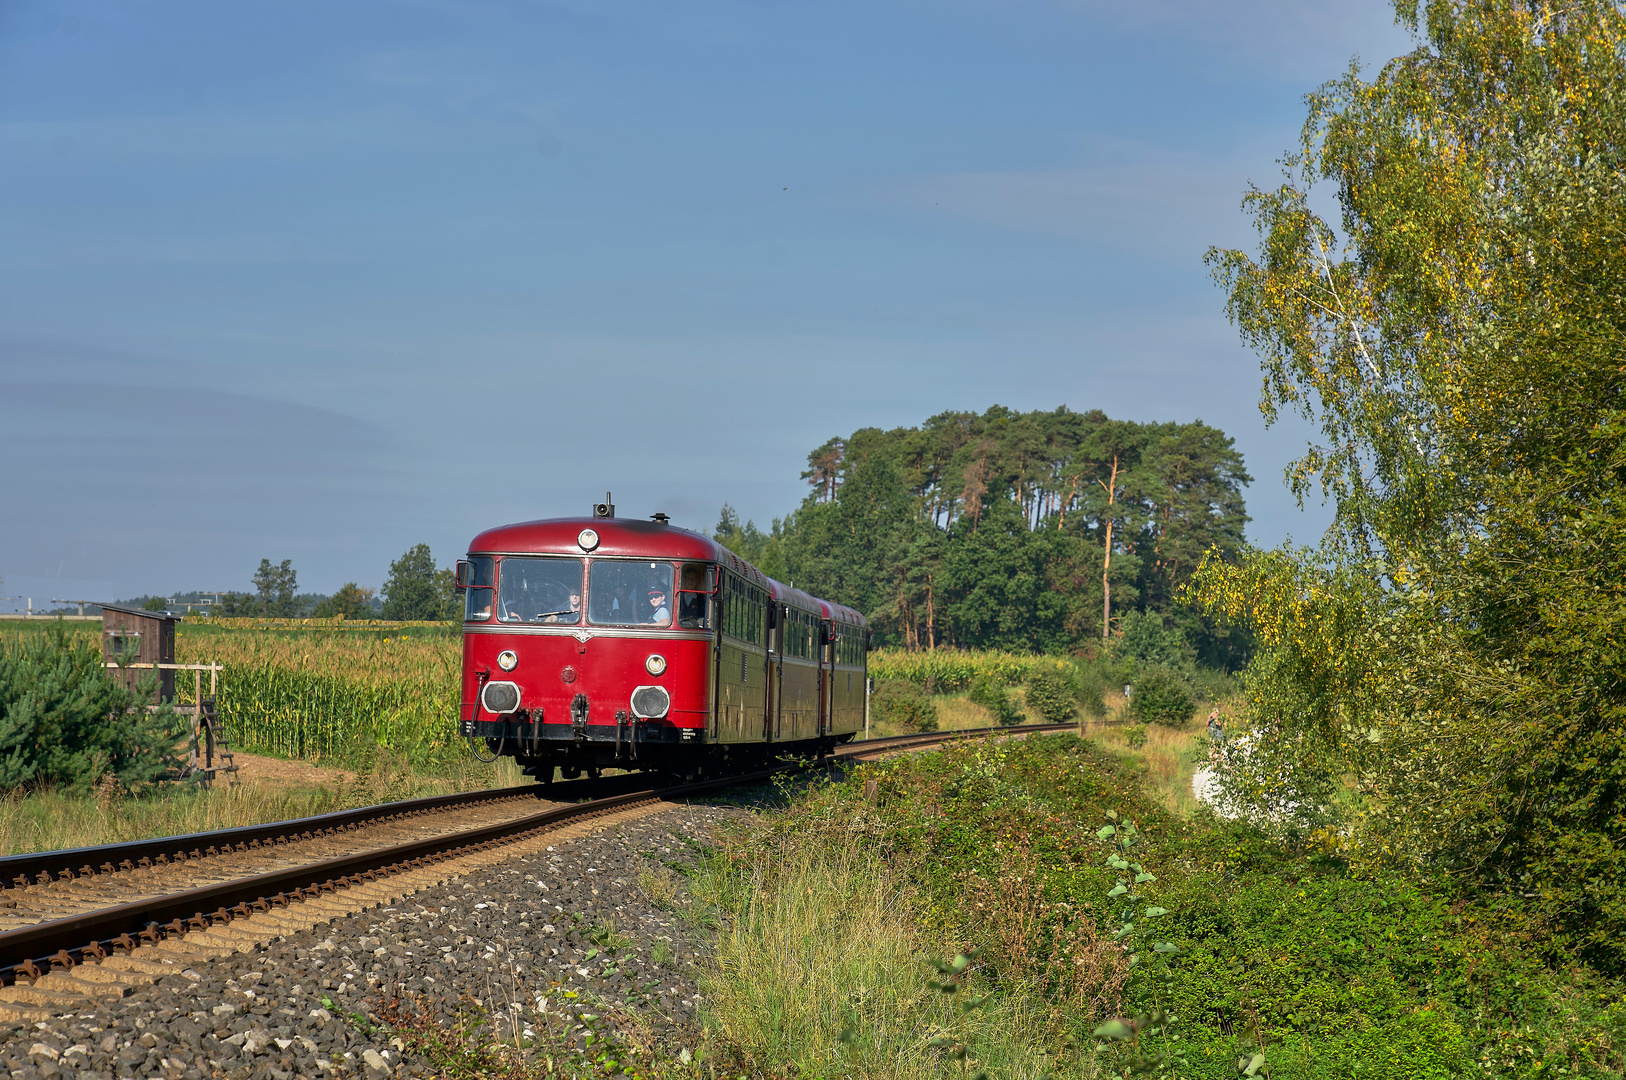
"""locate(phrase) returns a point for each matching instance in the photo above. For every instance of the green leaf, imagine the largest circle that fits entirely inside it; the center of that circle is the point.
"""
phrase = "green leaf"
(590, 954)
(1141, 879)
(1165, 948)
(1117, 890)
(1154, 912)
(1106, 832)
(1114, 1029)
(1255, 1063)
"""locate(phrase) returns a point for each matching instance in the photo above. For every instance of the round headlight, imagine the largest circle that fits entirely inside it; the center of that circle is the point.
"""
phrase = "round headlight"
(507, 660)
(587, 539)
(656, 664)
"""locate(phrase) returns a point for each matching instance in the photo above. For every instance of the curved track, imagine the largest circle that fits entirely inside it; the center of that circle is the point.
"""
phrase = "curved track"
(82, 919)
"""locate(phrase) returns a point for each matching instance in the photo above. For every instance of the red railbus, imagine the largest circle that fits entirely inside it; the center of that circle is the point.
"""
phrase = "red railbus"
(599, 642)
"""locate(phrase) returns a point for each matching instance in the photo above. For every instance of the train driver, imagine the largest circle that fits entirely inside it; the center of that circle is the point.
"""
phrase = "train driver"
(657, 600)
(574, 615)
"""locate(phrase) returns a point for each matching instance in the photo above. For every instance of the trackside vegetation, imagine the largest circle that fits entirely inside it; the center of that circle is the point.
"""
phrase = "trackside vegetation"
(1030, 858)
(1438, 690)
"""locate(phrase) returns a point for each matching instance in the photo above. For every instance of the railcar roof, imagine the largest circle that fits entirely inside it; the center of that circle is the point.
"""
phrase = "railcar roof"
(634, 538)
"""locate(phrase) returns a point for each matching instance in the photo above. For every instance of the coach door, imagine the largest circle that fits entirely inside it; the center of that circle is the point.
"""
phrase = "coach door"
(827, 658)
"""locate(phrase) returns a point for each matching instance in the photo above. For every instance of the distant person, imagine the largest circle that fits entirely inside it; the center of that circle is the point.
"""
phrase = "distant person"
(1216, 733)
(662, 614)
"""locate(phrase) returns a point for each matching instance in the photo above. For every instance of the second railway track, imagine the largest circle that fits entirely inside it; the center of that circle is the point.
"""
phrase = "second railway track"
(93, 922)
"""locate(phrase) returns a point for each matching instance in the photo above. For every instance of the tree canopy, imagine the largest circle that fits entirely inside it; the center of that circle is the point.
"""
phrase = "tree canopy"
(1006, 529)
(1457, 644)
(416, 590)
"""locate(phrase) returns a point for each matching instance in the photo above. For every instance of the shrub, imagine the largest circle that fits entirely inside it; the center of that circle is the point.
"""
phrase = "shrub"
(994, 697)
(1135, 735)
(1054, 694)
(1090, 688)
(1162, 697)
(903, 703)
(65, 723)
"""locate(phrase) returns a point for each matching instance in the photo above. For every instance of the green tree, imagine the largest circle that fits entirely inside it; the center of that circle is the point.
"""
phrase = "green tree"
(352, 601)
(416, 591)
(277, 586)
(1456, 647)
(65, 723)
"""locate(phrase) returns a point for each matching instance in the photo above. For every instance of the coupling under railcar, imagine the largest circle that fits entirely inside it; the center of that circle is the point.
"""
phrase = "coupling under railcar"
(599, 642)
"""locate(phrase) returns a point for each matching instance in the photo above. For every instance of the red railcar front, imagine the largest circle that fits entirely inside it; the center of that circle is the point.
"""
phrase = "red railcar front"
(588, 643)
(603, 641)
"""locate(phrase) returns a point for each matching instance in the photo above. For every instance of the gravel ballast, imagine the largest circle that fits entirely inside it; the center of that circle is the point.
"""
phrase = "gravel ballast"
(526, 944)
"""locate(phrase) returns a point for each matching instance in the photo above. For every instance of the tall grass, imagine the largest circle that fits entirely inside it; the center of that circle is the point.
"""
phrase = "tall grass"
(819, 967)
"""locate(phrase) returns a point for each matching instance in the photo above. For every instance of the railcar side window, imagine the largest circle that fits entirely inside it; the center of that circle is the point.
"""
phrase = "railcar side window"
(539, 590)
(694, 585)
(623, 592)
(745, 610)
(479, 575)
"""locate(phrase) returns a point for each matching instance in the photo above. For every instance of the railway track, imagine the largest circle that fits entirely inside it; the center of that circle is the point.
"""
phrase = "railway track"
(92, 923)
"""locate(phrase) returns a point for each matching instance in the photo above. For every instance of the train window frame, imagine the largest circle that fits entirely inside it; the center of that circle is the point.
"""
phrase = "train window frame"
(478, 574)
(503, 603)
(651, 567)
(695, 595)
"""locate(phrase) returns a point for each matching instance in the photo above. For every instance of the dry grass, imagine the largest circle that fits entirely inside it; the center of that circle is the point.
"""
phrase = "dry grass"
(49, 821)
(1170, 755)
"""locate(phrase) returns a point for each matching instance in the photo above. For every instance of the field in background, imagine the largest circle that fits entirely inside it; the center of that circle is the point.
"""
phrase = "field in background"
(340, 693)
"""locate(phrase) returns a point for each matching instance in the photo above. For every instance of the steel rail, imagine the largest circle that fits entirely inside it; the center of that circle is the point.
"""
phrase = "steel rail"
(32, 951)
(17, 871)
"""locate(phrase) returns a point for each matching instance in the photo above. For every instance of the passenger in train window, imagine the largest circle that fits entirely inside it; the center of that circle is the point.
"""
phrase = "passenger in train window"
(657, 600)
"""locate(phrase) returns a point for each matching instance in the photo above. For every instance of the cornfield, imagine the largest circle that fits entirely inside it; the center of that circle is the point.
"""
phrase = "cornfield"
(948, 671)
(330, 691)
(331, 696)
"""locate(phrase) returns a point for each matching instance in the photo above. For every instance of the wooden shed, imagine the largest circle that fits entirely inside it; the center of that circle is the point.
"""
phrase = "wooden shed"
(149, 636)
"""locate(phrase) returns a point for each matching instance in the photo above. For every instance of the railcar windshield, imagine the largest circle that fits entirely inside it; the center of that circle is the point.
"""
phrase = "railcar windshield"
(539, 590)
(624, 592)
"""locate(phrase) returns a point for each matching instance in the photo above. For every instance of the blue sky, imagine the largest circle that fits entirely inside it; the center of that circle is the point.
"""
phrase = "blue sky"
(321, 281)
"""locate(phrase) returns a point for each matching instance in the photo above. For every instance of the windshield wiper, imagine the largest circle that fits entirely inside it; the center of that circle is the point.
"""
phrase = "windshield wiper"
(551, 614)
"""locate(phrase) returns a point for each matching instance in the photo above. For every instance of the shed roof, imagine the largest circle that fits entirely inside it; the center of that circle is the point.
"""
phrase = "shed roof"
(160, 616)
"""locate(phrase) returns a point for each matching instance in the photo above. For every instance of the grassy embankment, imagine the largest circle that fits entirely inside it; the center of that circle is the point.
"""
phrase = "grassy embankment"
(829, 912)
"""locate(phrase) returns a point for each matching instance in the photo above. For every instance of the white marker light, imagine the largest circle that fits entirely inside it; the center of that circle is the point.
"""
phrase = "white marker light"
(587, 539)
(507, 660)
(656, 664)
